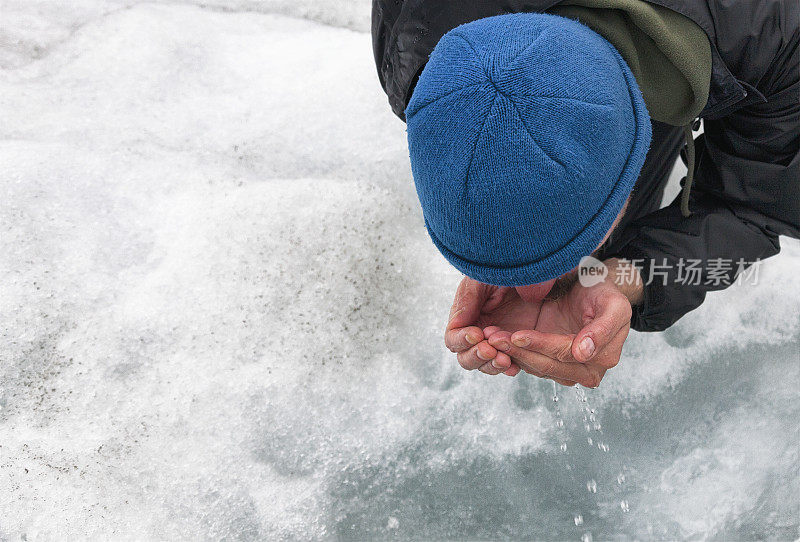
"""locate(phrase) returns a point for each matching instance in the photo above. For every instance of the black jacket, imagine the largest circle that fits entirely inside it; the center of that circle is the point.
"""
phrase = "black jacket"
(746, 190)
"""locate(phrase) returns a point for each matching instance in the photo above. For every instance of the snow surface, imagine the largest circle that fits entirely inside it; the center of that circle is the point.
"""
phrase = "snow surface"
(221, 315)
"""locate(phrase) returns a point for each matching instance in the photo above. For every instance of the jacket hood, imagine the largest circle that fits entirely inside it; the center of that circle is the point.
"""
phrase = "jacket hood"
(668, 53)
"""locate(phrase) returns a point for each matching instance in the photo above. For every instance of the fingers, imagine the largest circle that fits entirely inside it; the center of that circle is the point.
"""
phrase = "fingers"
(500, 364)
(568, 383)
(477, 356)
(561, 381)
(461, 339)
(540, 364)
(552, 345)
(487, 359)
(613, 313)
(609, 357)
(467, 304)
(461, 334)
(502, 338)
(501, 361)
(533, 372)
(489, 369)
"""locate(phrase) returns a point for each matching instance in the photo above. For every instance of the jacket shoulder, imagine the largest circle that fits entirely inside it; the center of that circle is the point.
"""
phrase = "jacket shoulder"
(405, 32)
(751, 35)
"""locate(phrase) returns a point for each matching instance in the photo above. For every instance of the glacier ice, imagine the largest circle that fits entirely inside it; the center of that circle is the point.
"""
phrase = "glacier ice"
(221, 315)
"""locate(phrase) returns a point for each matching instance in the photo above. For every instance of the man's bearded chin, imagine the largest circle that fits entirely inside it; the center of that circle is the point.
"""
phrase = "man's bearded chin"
(552, 290)
(563, 284)
(549, 290)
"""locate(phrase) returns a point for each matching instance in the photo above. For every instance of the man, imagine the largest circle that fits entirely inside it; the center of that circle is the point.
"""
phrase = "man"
(541, 132)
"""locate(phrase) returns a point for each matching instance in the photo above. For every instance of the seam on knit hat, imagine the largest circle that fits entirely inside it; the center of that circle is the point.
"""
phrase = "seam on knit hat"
(501, 93)
(525, 49)
(443, 96)
(485, 67)
(477, 139)
(474, 51)
(530, 134)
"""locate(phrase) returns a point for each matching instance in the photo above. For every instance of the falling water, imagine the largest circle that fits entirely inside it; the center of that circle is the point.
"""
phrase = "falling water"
(594, 439)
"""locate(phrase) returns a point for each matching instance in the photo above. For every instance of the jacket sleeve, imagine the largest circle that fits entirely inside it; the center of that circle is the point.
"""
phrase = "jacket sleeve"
(383, 18)
(746, 193)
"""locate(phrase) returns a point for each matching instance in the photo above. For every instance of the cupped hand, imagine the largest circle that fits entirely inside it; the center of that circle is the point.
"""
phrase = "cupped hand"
(478, 311)
(576, 339)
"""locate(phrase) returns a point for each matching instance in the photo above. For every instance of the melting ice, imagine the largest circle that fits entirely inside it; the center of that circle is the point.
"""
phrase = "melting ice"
(221, 316)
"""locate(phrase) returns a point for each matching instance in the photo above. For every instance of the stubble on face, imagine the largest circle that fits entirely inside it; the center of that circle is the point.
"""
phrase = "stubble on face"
(565, 282)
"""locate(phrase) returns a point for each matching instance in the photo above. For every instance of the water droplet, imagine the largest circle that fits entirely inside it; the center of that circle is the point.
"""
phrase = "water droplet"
(603, 447)
(555, 398)
(578, 520)
(589, 440)
(591, 485)
(587, 537)
(620, 478)
(624, 506)
(597, 427)
(560, 423)
(563, 446)
(393, 523)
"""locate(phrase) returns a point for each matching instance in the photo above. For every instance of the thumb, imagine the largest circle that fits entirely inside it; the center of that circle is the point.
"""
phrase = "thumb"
(470, 297)
(553, 345)
(613, 312)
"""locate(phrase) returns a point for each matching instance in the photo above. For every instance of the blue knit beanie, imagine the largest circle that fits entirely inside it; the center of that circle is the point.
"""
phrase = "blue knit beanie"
(526, 134)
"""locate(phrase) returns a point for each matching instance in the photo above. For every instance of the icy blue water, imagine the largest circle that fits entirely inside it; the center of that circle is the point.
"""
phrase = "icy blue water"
(221, 316)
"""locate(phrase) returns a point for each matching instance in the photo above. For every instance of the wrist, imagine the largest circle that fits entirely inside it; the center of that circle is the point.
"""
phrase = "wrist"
(626, 278)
